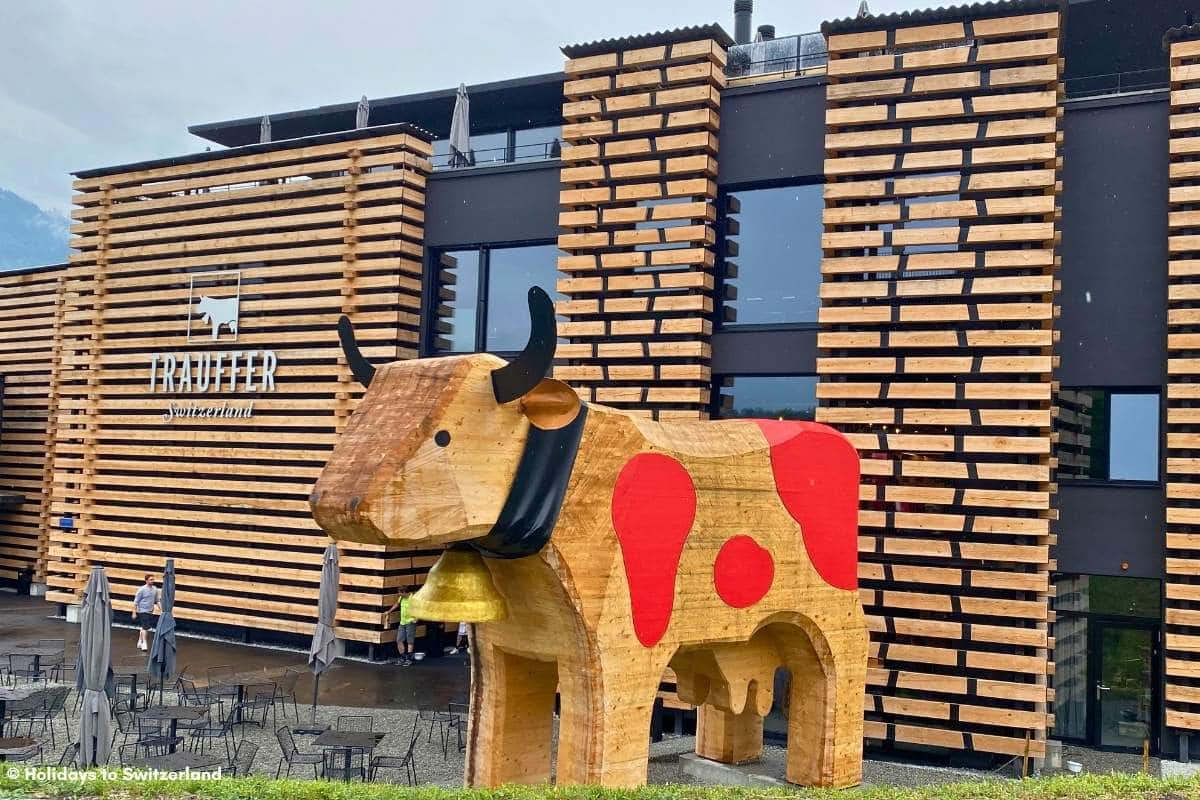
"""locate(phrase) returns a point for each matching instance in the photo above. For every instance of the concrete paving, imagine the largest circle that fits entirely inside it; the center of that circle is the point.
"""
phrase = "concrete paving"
(350, 683)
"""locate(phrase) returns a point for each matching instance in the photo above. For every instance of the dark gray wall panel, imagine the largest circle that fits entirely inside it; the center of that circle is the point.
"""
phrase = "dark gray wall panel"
(1114, 244)
(517, 203)
(772, 132)
(1102, 526)
(764, 352)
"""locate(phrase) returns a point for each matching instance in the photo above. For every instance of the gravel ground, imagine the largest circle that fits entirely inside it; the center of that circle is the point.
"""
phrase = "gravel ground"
(434, 767)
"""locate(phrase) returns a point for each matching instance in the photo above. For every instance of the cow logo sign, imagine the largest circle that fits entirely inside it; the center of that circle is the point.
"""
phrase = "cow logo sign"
(213, 301)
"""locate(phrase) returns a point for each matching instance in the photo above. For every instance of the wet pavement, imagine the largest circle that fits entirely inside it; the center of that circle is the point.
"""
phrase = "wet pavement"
(348, 683)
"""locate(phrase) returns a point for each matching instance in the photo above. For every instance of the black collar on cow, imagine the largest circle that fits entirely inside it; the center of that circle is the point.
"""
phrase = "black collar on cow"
(536, 496)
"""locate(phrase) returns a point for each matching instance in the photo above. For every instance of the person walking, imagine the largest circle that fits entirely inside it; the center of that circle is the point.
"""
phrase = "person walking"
(145, 604)
(461, 642)
(406, 631)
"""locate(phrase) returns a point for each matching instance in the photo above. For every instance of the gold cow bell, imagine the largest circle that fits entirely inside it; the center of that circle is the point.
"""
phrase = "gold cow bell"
(459, 588)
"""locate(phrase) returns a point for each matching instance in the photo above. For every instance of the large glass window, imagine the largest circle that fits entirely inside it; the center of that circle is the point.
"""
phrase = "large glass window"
(777, 233)
(537, 144)
(768, 397)
(1108, 435)
(482, 302)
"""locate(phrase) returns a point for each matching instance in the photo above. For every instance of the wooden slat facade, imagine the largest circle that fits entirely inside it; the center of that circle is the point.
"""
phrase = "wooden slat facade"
(299, 233)
(30, 346)
(636, 224)
(1182, 593)
(936, 357)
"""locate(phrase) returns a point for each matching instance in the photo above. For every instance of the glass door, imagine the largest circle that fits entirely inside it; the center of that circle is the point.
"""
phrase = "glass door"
(1123, 686)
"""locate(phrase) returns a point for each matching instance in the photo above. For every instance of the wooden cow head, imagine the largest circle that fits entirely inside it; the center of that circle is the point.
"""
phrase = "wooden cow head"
(460, 448)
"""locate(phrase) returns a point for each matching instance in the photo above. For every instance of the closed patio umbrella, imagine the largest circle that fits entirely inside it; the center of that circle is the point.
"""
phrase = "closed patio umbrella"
(460, 129)
(94, 677)
(162, 652)
(324, 641)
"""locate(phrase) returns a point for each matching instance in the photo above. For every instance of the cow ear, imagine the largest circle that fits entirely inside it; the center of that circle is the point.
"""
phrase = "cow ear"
(550, 405)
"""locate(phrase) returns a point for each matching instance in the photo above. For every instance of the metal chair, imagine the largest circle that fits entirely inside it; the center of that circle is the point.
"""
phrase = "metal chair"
(209, 732)
(458, 713)
(220, 685)
(127, 754)
(285, 690)
(123, 686)
(292, 755)
(406, 762)
(356, 722)
(243, 759)
(257, 698)
(24, 666)
(69, 755)
(52, 702)
(54, 664)
(433, 718)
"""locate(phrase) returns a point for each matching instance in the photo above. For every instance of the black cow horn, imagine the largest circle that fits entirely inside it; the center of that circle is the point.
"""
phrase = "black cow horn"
(525, 371)
(362, 369)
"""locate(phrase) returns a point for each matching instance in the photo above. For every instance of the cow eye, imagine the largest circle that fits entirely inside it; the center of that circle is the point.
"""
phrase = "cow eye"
(442, 438)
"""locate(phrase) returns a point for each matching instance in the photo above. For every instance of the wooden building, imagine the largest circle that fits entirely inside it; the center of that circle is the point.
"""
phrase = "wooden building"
(916, 227)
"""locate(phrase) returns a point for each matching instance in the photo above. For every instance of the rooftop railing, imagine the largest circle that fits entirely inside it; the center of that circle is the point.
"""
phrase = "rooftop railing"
(494, 156)
(785, 57)
(1118, 83)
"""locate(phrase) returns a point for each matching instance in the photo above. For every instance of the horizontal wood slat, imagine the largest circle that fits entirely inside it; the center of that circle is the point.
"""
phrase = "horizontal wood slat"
(637, 212)
(293, 238)
(1182, 594)
(30, 350)
(936, 358)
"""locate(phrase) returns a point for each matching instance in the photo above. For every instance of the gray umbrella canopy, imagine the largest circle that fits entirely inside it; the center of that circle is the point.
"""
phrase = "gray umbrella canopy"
(460, 129)
(324, 641)
(94, 670)
(162, 652)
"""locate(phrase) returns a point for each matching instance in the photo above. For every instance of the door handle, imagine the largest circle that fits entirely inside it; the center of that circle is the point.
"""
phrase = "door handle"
(1100, 687)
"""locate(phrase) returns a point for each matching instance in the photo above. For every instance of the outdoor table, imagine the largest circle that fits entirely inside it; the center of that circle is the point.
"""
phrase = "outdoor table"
(240, 681)
(348, 742)
(179, 761)
(38, 651)
(174, 714)
(15, 745)
(14, 693)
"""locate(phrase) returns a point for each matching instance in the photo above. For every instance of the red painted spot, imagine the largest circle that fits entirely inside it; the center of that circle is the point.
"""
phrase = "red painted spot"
(816, 474)
(743, 572)
(653, 506)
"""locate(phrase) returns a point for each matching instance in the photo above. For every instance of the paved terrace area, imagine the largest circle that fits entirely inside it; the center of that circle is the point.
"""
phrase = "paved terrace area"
(393, 695)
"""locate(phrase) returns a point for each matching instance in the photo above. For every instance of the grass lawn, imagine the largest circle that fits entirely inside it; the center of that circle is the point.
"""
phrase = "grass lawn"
(1083, 787)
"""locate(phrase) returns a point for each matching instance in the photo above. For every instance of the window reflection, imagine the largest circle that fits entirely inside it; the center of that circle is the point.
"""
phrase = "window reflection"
(500, 275)
(511, 271)
(777, 233)
(459, 293)
(773, 397)
(1107, 435)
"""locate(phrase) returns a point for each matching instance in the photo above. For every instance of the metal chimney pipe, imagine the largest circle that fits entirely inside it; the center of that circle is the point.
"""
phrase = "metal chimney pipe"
(766, 33)
(743, 10)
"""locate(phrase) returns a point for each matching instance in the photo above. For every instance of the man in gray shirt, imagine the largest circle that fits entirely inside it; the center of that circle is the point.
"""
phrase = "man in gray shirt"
(144, 603)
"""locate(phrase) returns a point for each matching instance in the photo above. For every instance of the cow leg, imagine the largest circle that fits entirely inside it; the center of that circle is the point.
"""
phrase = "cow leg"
(513, 703)
(604, 730)
(727, 737)
(825, 719)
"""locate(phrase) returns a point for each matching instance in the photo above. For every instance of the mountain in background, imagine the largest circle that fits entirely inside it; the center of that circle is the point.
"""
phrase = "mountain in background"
(29, 236)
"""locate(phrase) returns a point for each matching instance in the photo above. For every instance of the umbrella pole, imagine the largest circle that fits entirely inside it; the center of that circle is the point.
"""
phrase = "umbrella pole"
(316, 687)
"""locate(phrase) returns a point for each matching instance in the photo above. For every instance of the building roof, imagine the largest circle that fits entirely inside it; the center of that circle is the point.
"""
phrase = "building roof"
(933, 16)
(267, 147)
(528, 102)
(688, 34)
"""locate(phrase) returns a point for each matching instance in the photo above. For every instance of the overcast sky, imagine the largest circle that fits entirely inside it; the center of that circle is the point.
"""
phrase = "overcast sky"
(88, 84)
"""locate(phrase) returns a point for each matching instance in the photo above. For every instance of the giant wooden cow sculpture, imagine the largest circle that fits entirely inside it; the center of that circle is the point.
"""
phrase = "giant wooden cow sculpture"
(622, 546)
